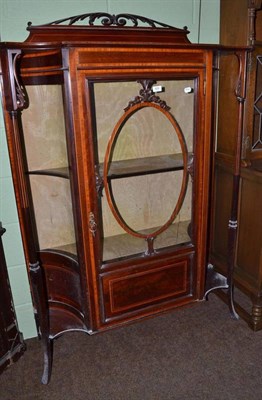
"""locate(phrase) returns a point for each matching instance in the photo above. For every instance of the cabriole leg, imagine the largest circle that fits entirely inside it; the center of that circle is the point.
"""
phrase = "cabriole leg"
(42, 317)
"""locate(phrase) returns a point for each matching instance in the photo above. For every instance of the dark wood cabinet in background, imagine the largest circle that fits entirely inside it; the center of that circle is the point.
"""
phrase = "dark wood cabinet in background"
(12, 344)
(244, 28)
(110, 131)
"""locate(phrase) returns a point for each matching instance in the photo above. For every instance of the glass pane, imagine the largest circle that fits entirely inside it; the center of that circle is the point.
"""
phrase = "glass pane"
(44, 128)
(179, 232)
(146, 166)
(147, 133)
(53, 211)
(45, 143)
(146, 202)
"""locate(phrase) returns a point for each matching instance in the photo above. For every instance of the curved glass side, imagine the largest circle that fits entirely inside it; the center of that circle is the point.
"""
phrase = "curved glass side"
(44, 135)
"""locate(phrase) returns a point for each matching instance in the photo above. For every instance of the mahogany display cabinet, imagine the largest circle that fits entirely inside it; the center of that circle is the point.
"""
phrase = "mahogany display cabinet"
(110, 126)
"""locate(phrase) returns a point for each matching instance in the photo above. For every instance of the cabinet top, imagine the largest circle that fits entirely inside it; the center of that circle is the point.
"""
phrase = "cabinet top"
(102, 26)
(103, 29)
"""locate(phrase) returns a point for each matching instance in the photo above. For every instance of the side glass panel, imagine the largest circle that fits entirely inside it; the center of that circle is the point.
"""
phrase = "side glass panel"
(47, 162)
(144, 141)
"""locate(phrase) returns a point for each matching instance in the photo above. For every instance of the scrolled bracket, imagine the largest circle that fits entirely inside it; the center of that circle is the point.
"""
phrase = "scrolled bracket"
(240, 84)
(146, 94)
(19, 96)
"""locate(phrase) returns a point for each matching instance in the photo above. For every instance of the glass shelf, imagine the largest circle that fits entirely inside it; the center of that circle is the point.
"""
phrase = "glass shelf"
(58, 172)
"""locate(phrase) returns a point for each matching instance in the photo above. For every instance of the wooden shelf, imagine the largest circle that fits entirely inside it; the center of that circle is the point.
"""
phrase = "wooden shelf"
(58, 172)
(126, 245)
(144, 166)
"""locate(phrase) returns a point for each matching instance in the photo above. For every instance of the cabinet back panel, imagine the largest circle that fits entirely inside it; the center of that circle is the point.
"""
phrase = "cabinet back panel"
(53, 211)
(44, 128)
(110, 100)
(147, 203)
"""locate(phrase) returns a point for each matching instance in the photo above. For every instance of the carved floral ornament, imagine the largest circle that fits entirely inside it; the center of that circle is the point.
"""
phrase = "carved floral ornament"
(146, 94)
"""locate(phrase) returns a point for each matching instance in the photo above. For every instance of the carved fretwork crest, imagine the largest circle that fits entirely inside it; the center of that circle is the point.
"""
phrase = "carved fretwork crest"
(146, 94)
(105, 19)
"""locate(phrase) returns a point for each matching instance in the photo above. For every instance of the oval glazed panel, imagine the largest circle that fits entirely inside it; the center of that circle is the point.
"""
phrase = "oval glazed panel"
(143, 189)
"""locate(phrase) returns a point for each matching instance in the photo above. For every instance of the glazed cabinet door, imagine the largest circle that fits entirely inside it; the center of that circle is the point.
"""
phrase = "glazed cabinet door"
(145, 146)
(145, 210)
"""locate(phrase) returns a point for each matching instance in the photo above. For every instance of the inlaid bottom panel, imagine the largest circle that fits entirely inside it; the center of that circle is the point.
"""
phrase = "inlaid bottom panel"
(136, 289)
